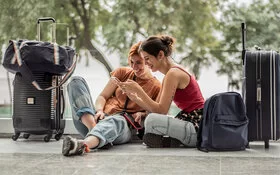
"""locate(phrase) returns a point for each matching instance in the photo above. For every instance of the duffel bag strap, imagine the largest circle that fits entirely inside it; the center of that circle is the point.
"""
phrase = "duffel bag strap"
(64, 79)
(17, 57)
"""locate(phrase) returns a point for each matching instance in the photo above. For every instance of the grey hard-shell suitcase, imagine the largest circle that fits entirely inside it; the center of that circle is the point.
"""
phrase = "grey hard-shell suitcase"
(261, 93)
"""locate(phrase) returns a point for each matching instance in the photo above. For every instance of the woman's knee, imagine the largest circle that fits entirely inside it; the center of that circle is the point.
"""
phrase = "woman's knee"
(156, 123)
(151, 120)
(74, 82)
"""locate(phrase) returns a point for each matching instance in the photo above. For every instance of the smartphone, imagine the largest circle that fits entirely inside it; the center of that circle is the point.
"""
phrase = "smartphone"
(131, 121)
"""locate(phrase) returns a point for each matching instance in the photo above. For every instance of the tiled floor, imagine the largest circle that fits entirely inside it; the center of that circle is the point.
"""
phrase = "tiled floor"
(34, 156)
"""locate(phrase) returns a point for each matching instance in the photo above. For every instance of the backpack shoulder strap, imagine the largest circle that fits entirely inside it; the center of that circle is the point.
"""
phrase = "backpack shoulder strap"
(203, 120)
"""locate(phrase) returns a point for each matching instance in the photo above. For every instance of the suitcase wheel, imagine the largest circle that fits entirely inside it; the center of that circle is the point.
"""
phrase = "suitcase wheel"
(47, 138)
(15, 136)
(266, 144)
(26, 136)
(58, 136)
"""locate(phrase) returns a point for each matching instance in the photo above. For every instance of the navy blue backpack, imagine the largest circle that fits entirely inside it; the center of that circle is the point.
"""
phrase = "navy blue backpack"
(224, 126)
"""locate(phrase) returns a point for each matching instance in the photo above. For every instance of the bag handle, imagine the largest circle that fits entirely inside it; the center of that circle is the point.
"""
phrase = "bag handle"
(46, 19)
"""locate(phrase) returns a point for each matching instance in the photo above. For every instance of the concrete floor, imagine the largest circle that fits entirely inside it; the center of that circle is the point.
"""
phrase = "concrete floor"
(34, 156)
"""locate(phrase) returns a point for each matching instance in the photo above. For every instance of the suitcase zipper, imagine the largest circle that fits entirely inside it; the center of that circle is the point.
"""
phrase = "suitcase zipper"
(272, 95)
(258, 102)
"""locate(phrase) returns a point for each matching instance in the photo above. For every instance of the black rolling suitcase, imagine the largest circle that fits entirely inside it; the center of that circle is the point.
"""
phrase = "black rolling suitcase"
(261, 93)
(38, 100)
(38, 112)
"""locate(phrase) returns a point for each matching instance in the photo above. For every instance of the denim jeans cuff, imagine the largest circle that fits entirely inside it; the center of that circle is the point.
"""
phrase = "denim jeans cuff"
(102, 140)
(84, 110)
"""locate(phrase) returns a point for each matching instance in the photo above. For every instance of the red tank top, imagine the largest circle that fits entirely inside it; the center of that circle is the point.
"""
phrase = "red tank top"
(190, 98)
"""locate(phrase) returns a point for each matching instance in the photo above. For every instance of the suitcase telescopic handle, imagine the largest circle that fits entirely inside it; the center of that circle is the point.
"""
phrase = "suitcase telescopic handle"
(243, 30)
(46, 19)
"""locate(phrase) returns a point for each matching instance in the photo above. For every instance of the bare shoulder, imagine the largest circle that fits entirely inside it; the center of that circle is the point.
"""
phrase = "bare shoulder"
(172, 76)
(181, 75)
(176, 72)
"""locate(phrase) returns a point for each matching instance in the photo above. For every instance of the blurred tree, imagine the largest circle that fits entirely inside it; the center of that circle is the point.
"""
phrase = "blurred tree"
(262, 20)
(196, 24)
(82, 16)
(121, 23)
(191, 22)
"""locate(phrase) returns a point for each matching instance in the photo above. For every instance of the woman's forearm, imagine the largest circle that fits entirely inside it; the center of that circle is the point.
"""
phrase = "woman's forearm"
(147, 103)
(100, 103)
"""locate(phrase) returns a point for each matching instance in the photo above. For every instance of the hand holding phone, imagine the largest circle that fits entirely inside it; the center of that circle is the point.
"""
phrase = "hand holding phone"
(116, 80)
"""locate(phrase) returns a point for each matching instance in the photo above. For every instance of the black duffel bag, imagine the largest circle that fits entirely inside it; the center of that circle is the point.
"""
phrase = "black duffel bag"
(38, 56)
(26, 57)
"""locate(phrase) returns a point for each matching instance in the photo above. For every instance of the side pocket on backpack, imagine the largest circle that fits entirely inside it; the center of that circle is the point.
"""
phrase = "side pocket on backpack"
(229, 133)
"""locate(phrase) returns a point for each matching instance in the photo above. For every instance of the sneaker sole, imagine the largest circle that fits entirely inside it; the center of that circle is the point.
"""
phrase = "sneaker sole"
(174, 143)
(158, 141)
(153, 140)
(66, 146)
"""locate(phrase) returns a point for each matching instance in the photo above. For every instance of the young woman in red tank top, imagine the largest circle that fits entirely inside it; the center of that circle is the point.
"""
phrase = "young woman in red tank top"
(179, 86)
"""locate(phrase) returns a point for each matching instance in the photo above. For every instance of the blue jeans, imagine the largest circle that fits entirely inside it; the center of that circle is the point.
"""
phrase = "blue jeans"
(112, 129)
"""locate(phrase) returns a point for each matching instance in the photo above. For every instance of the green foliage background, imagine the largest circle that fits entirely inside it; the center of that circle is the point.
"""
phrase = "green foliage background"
(207, 31)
